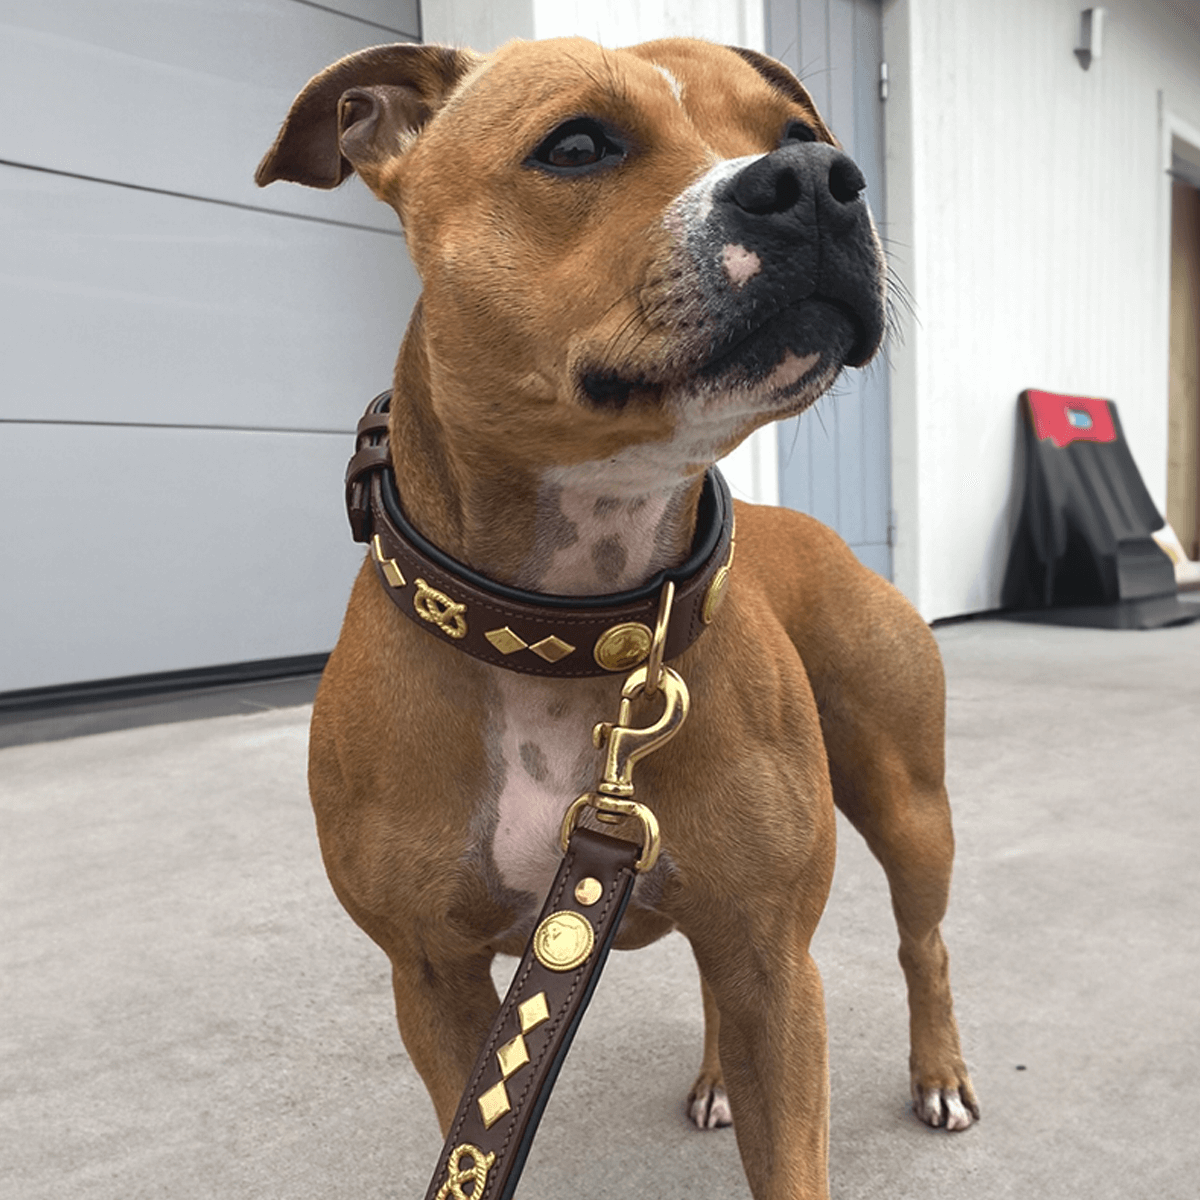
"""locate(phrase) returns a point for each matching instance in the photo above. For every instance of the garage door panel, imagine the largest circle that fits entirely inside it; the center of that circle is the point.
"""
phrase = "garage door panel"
(392, 14)
(172, 94)
(146, 550)
(126, 306)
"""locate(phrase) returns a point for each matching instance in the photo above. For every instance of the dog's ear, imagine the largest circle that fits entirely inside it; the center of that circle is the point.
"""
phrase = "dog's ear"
(360, 109)
(780, 78)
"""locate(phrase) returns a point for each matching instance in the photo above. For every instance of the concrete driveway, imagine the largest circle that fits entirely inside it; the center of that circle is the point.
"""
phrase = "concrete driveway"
(185, 1011)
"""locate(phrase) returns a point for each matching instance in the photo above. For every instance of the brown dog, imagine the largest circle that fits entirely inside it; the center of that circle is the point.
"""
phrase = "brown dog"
(631, 259)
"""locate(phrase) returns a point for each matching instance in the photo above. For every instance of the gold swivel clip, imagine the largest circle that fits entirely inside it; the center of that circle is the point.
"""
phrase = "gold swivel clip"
(625, 745)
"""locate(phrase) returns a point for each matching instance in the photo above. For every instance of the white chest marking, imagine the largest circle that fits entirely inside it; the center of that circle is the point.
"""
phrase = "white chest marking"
(546, 747)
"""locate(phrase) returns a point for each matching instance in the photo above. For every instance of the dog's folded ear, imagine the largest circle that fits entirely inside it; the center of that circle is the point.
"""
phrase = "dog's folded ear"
(782, 79)
(360, 108)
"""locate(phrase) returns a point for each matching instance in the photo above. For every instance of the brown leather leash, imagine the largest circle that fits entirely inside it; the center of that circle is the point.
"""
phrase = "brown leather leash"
(498, 1115)
(493, 1129)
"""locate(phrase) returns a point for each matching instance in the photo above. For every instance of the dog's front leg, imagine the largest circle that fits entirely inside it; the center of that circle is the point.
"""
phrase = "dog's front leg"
(774, 1059)
(445, 1009)
(708, 1101)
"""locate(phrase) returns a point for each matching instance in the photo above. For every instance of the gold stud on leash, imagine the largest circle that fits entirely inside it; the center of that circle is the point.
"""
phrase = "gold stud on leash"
(563, 941)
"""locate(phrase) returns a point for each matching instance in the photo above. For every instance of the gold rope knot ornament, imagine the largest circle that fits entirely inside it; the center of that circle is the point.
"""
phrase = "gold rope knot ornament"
(458, 1178)
(435, 606)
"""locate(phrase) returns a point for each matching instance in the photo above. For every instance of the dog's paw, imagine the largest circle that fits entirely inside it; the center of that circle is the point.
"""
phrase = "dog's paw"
(951, 1108)
(708, 1105)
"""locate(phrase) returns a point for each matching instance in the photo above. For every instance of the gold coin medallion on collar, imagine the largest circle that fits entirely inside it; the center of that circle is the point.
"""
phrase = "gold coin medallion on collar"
(623, 646)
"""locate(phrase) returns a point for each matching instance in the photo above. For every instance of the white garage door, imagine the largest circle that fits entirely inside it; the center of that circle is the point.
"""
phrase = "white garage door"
(182, 356)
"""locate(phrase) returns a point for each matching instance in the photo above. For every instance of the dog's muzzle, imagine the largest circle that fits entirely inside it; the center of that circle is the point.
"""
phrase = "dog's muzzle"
(787, 259)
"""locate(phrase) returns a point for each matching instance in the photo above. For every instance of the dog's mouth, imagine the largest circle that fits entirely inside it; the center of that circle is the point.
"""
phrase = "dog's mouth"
(608, 388)
(799, 346)
(821, 331)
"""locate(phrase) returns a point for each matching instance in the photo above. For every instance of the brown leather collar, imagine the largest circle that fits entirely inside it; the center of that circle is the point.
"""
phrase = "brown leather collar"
(531, 632)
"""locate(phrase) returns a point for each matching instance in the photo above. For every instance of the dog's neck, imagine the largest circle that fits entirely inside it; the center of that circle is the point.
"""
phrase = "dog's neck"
(593, 536)
(595, 528)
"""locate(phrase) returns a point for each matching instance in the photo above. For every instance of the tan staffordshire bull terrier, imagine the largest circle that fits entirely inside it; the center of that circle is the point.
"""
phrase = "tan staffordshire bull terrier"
(631, 260)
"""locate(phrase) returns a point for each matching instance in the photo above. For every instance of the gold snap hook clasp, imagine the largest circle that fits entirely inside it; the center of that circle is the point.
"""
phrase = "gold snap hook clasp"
(625, 745)
(654, 664)
(610, 808)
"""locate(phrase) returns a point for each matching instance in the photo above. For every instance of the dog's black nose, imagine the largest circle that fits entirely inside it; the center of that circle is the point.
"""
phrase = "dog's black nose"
(781, 181)
(792, 227)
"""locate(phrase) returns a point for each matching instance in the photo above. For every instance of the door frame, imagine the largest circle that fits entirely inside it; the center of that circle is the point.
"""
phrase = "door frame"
(1178, 137)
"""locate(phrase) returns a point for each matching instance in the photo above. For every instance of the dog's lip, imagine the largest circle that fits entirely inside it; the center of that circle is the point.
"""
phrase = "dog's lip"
(609, 387)
(726, 358)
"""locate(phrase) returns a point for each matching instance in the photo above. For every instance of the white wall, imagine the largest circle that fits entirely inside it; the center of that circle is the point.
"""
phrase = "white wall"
(476, 23)
(626, 22)
(182, 356)
(1028, 215)
(484, 25)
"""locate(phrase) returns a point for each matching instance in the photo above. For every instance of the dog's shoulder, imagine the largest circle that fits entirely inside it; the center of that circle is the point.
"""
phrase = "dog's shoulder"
(780, 546)
(834, 608)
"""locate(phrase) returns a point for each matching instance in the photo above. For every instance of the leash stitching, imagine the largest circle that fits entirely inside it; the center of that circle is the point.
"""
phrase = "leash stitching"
(507, 1009)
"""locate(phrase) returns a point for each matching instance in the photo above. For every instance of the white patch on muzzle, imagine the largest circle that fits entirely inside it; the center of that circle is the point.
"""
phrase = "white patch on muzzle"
(693, 206)
(741, 265)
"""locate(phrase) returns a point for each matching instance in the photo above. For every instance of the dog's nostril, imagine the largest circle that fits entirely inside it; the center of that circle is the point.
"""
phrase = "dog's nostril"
(767, 187)
(787, 192)
(846, 181)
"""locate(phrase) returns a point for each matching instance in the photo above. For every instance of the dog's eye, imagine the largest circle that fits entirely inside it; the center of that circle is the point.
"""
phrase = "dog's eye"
(797, 131)
(578, 147)
(575, 150)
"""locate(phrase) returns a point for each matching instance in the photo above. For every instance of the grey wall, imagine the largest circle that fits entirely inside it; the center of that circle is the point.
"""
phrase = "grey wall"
(182, 355)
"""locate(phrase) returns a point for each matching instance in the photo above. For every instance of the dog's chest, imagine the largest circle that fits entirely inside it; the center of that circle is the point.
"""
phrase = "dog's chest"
(596, 533)
(544, 747)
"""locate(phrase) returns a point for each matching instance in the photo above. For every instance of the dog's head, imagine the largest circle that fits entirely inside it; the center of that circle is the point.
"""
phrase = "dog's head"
(629, 243)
